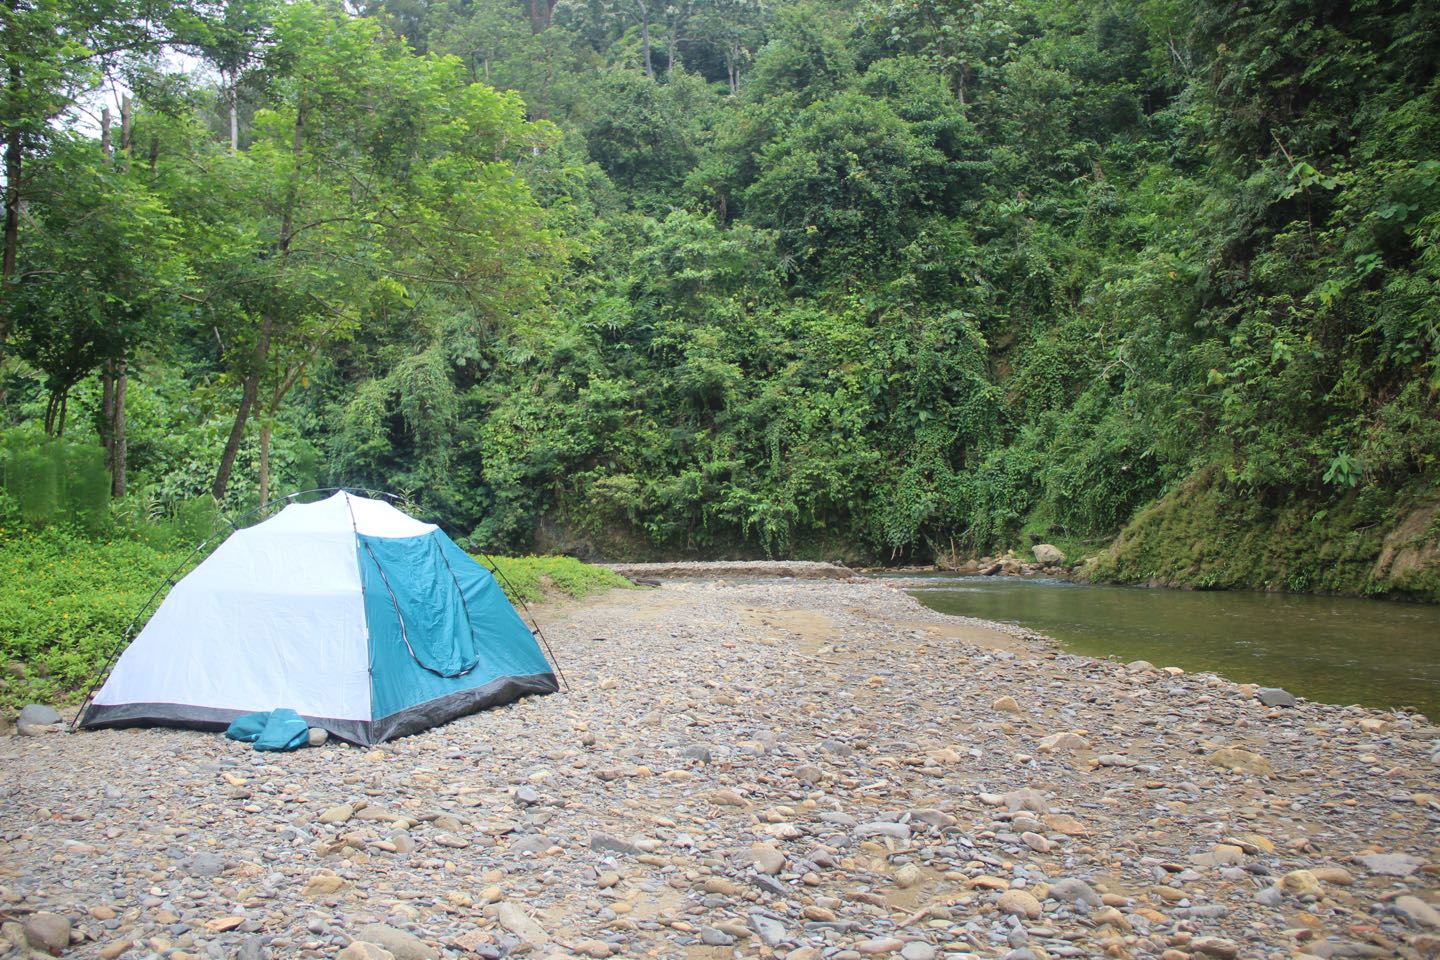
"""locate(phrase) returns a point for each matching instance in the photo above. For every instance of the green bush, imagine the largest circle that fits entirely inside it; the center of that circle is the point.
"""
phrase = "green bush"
(67, 607)
(533, 579)
(52, 480)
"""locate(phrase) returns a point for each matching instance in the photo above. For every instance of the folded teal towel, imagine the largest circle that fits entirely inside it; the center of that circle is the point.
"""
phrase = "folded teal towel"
(275, 730)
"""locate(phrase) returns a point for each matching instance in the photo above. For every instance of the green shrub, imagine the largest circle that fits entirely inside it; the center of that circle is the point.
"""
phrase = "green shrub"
(67, 606)
(533, 579)
(52, 480)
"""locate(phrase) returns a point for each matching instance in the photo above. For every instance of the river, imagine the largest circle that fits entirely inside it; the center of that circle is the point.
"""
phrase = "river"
(1336, 650)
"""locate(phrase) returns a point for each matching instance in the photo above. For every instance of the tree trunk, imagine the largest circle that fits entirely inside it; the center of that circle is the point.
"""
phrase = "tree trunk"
(232, 102)
(248, 389)
(265, 460)
(105, 132)
(251, 385)
(118, 444)
(644, 9)
(127, 117)
(14, 148)
(676, 27)
(107, 413)
(13, 152)
(541, 12)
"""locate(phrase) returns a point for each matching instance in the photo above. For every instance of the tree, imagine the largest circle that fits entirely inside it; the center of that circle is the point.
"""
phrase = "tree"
(53, 53)
(958, 37)
(376, 174)
(101, 275)
(733, 27)
(233, 35)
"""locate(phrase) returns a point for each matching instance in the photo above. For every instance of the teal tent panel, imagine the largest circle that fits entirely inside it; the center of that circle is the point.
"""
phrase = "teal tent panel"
(440, 625)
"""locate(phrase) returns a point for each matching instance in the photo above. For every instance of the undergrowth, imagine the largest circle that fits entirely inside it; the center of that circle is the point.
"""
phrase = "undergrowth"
(66, 604)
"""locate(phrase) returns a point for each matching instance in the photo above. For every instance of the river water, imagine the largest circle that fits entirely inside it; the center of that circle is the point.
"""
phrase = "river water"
(1336, 650)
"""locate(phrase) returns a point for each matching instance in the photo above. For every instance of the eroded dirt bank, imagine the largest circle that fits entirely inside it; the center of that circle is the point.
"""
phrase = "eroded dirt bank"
(801, 769)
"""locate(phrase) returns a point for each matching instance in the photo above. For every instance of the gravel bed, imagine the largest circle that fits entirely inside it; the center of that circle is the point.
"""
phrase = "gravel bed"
(799, 769)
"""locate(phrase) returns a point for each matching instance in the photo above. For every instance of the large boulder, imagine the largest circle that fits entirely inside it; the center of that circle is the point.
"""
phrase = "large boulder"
(36, 719)
(1048, 554)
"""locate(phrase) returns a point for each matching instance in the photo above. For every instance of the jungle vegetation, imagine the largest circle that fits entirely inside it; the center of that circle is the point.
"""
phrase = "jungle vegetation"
(864, 279)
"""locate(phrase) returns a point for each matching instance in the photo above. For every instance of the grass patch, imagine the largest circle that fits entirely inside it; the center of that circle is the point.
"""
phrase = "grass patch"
(533, 579)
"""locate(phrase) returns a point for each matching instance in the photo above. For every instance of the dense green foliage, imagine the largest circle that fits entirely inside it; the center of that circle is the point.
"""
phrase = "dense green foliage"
(861, 278)
(68, 603)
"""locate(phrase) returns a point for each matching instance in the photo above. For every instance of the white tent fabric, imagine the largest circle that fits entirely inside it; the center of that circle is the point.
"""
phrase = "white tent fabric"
(205, 648)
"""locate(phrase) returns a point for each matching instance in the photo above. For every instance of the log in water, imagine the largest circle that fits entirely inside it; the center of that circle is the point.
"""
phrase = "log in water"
(1332, 649)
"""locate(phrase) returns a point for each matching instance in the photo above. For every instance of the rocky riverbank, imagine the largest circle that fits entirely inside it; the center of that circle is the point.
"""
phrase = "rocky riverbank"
(799, 769)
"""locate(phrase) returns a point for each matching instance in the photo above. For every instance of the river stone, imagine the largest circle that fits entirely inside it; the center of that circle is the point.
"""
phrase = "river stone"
(883, 829)
(879, 946)
(908, 876)
(1018, 903)
(1066, 824)
(1063, 741)
(1006, 704)
(609, 844)
(204, 865)
(338, 814)
(513, 917)
(1417, 911)
(47, 931)
(715, 938)
(1025, 798)
(1048, 553)
(917, 950)
(1036, 842)
(1274, 697)
(325, 885)
(1072, 890)
(1336, 875)
(318, 736)
(38, 713)
(1390, 864)
(767, 928)
(363, 950)
(1301, 883)
(767, 859)
(1215, 947)
(1232, 758)
(36, 719)
(404, 945)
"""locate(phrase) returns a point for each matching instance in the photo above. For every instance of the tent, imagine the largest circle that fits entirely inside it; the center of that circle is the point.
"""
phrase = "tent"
(363, 620)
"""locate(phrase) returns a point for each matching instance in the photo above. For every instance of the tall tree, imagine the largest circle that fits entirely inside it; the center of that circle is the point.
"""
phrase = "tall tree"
(53, 54)
(376, 174)
(233, 35)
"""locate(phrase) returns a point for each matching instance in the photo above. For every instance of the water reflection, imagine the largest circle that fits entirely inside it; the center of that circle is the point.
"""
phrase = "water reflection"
(1337, 650)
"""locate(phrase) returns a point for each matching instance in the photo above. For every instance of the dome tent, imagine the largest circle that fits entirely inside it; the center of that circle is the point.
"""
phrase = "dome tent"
(365, 621)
